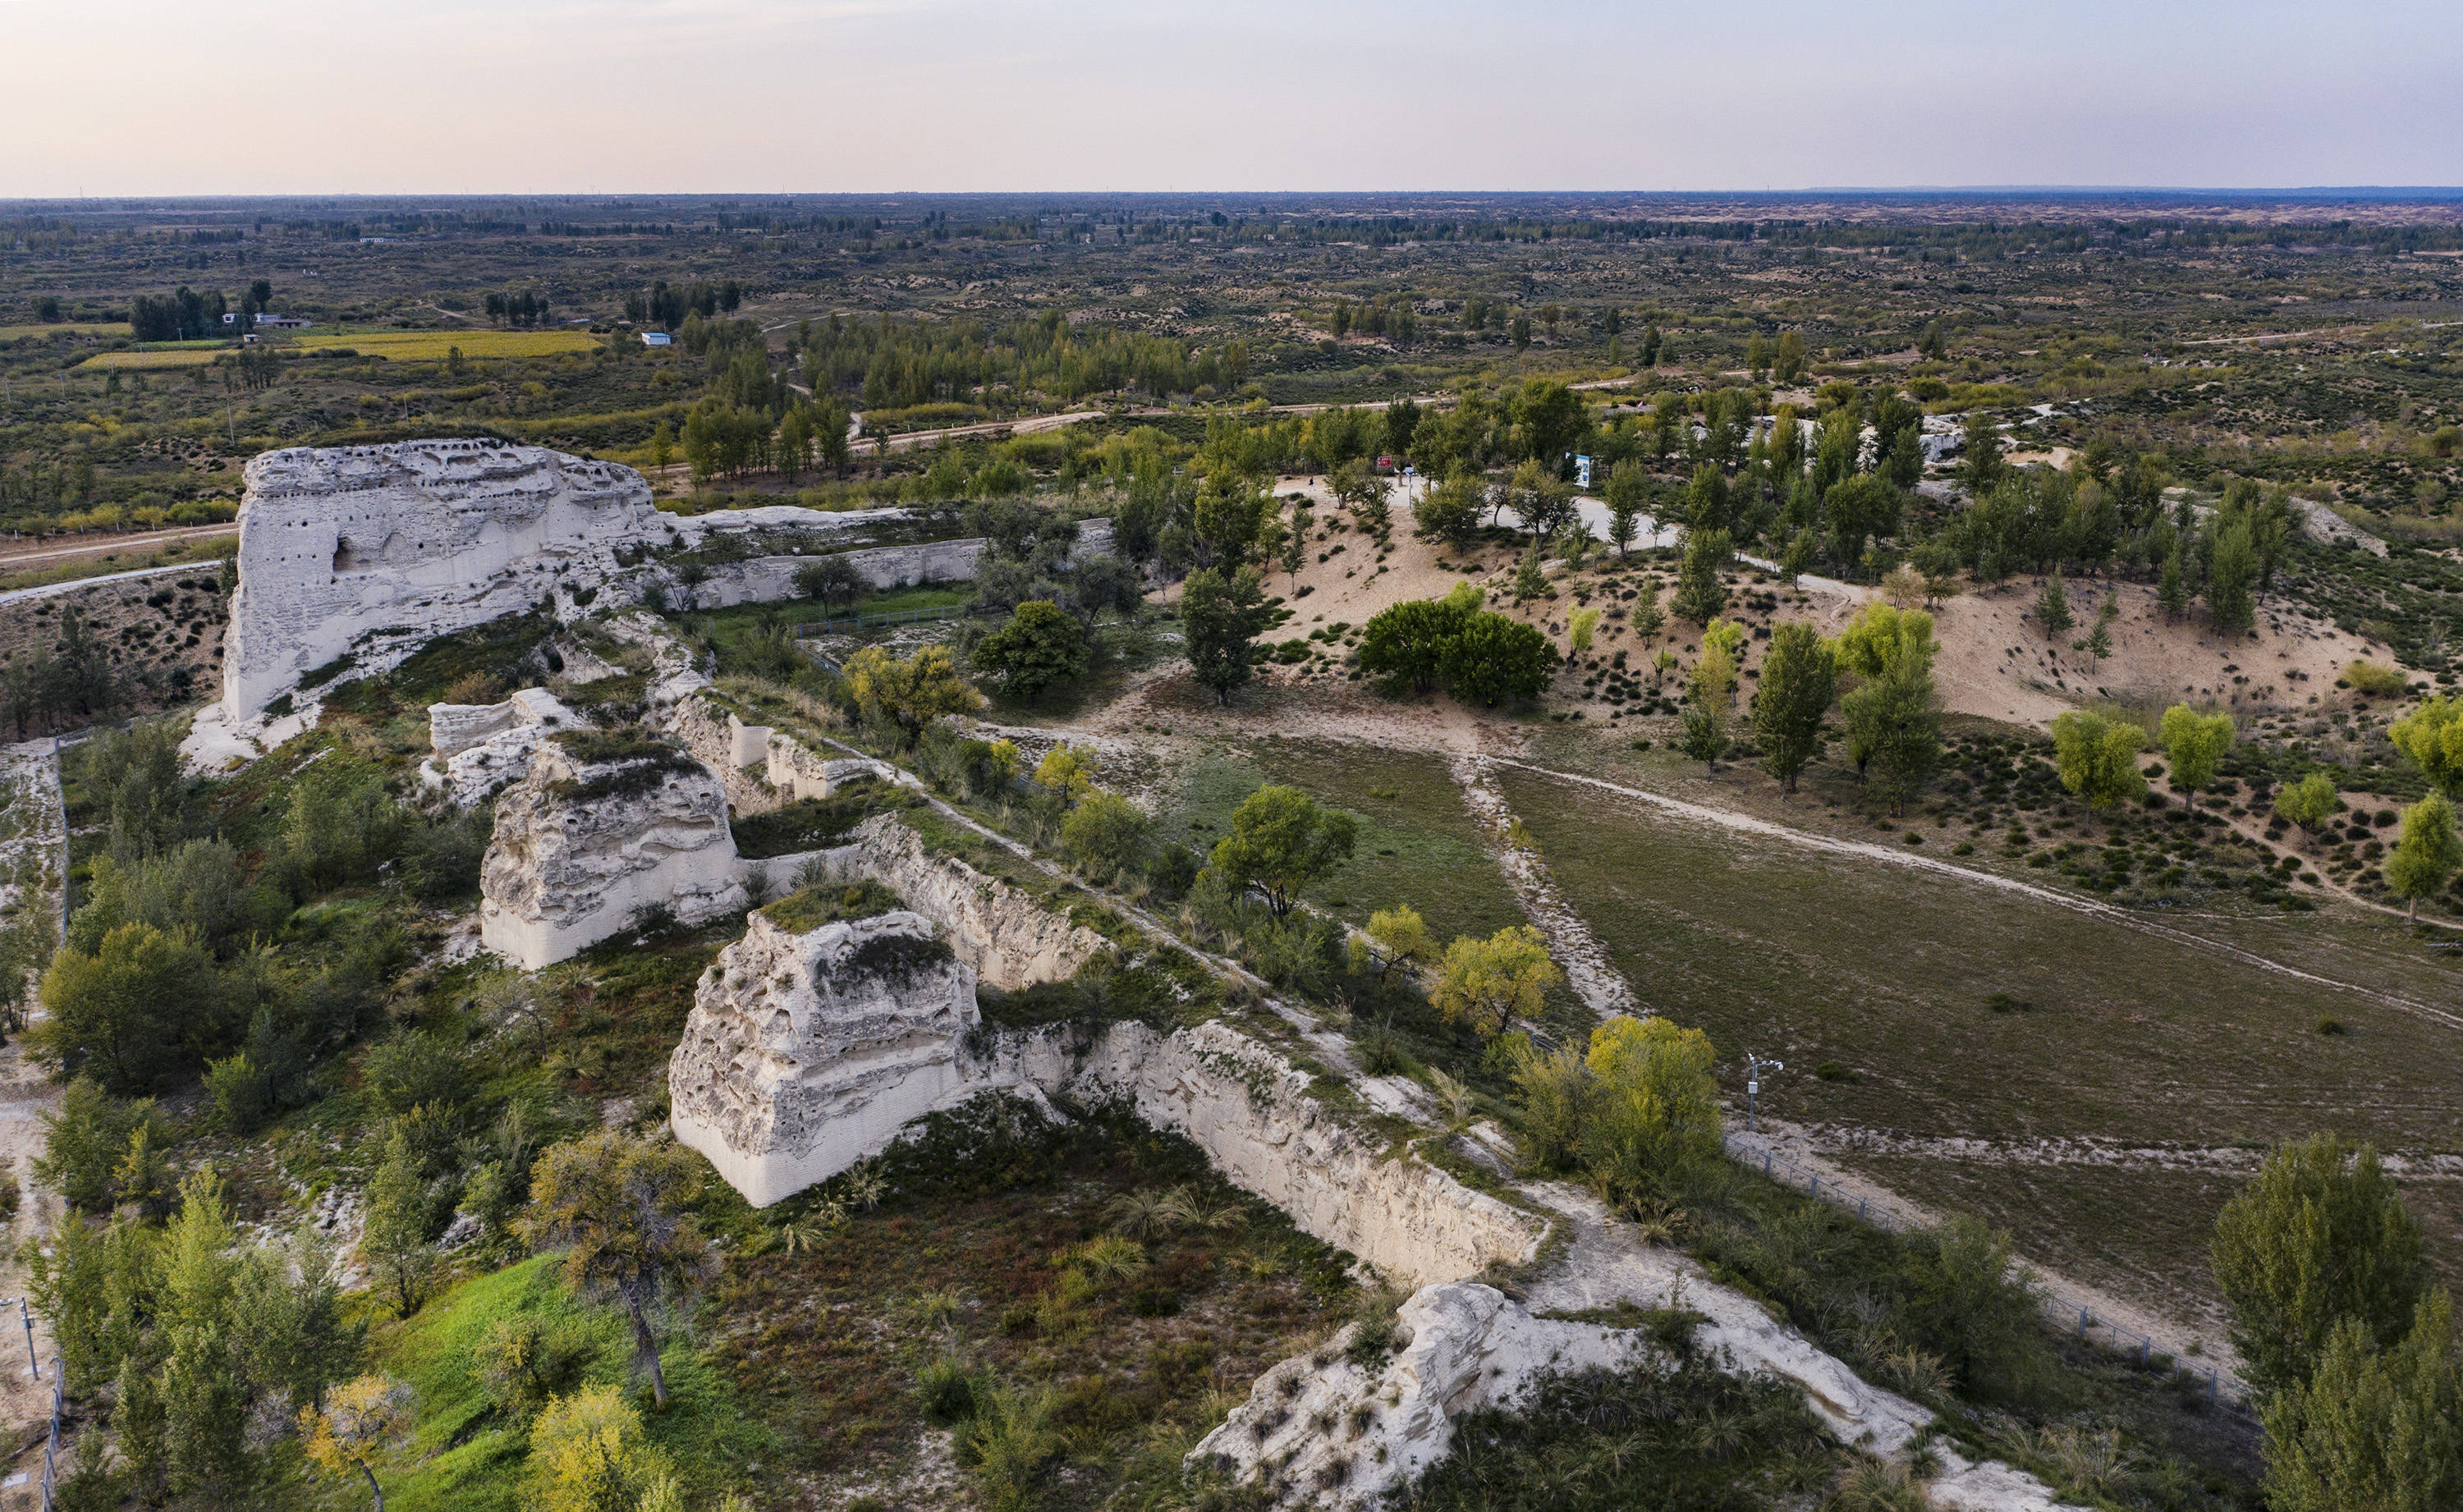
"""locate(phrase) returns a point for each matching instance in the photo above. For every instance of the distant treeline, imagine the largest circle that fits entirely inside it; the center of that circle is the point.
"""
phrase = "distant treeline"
(892, 364)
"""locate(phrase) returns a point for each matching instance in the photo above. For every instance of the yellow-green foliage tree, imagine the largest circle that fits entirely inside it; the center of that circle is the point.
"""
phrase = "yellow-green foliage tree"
(1066, 770)
(909, 693)
(1394, 937)
(1654, 1108)
(1483, 982)
(620, 1209)
(2308, 802)
(588, 1455)
(2427, 854)
(2099, 758)
(358, 1422)
(2193, 742)
(2432, 735)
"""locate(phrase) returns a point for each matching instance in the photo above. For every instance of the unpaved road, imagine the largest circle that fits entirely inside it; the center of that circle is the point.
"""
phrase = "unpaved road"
(31, 552)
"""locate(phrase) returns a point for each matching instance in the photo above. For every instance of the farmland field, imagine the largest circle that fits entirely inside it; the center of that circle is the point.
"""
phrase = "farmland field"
(433, 345)
(1888, 981)
(88, 328)
(178, 358)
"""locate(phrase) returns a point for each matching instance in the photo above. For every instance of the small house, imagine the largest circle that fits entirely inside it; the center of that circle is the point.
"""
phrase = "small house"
(656, 338)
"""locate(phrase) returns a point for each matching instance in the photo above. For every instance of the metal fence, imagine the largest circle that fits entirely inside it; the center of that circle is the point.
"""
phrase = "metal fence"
(2061, 1310)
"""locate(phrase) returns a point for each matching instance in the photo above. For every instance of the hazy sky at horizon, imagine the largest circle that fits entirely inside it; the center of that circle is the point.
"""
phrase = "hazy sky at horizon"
(149, 98)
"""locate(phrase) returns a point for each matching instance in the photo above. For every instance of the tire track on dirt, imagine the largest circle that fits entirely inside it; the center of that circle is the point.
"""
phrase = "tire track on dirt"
(1746, 824)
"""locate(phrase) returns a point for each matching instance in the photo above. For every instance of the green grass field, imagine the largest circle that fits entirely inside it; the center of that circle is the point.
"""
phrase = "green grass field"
(1418, 844)
(435, 345)
(2105, 1032)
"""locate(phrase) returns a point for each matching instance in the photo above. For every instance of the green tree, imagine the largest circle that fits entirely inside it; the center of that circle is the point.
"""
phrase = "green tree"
(2099, 641)
(1646, 618)
(1485, 983)
(84, 1142)
(1983, 465)
(1787, 364)
(1893, 714)
(1629, 493)
(1708, 700)
(1281, 841)
(1494, 658)
(1220, 619)
(1799, 678)
(1700, 595)
(1450, 512)
(2432, 735)
(129, 1015)
(2308, 802)
(2172, 588)
(2193, 742)
(1529, 581)
(1408, 640)
(1106, 834)
(401, 1218)
(2319, 1235)
(621, 1209)
(1040, 645)
(1580, 627)
(2098, 758)
(1865, 507)
(2231, 574)
(2371, 1429)
(2427, 854)
(832, 582)
(2053, 608)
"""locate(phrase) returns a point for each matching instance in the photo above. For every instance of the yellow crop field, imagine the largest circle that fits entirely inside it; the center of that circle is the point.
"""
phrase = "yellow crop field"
(88, 329)
(193, 356)
(433, 345)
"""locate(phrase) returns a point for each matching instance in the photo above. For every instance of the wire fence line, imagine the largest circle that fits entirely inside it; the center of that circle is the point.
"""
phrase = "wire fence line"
(2064, 1312)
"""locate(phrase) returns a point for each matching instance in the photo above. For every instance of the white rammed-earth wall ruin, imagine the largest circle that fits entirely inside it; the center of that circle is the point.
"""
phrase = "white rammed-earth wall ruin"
(582, 849)
(413, 540)
(806, 1052)
(367, 553)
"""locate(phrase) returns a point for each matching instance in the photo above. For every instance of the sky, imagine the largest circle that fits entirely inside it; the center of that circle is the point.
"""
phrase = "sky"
(445, 96)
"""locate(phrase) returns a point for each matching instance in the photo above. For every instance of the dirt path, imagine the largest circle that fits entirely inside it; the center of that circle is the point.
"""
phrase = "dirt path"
(15, 554)
(29, 776)
(1866, 850)
(1570, 940)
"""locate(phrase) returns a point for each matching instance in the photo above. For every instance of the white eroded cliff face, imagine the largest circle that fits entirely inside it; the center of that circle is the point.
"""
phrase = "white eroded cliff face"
(809, 1051)
(1251, 1111)
(582, 847)
(408, 541)
(1009, 937)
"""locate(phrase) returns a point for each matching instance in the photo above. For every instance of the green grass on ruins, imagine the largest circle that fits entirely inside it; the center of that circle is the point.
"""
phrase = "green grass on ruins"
(967, 1266)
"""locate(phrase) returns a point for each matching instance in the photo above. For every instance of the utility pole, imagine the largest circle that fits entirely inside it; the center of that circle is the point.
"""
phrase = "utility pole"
(1755, 1066)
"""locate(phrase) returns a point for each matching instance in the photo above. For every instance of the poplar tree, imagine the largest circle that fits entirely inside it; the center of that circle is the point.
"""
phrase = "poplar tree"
(2319, 1237)
(1799, 675)
(2427, 854)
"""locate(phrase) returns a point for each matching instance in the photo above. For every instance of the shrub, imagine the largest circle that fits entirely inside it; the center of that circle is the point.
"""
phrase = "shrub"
(524, 1363)
(2371, 680)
